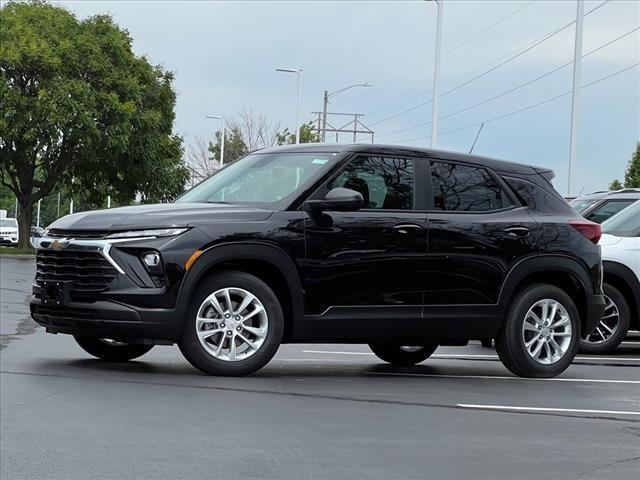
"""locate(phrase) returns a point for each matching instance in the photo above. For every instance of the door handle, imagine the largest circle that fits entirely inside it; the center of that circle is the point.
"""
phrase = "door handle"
(517, 232)
(405, 228)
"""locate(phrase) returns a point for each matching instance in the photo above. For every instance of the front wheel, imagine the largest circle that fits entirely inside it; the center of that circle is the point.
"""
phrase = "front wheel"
(613, 326)
(111, 350)
(541, 332)
(403, 355)
(235, 325)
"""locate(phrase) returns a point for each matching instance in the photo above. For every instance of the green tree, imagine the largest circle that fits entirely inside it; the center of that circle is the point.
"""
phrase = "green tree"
(80, 111)
(632, 174)
(615, 185)
(235, 146)
(308, 134)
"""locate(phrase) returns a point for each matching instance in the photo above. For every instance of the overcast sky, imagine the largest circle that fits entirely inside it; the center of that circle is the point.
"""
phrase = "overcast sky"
(224, 55)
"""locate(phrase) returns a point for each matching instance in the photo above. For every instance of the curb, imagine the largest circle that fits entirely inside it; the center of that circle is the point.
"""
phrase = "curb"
(13, 256)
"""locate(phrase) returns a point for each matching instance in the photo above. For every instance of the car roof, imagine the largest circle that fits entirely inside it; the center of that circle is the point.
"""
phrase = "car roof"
(500, 165)
(623, 195)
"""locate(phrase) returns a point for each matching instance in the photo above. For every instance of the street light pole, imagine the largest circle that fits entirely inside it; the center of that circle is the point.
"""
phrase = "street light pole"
(575, 95)
(297, 71)
(224, 127)
(436, 74)
(325, 104)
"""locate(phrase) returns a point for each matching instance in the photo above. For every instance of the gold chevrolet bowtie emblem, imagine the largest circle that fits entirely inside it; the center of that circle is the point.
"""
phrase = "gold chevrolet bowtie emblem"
(58, 244)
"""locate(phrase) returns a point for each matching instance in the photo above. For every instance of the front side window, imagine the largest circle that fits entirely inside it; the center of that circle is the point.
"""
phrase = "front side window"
(465, 188)
(385, 183)
(267, 178)
(607, 210)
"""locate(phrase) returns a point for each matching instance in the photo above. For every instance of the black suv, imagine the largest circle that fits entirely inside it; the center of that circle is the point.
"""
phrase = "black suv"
(403, 249)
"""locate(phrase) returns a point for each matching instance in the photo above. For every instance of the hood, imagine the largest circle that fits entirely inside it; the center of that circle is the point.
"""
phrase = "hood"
(161, 215)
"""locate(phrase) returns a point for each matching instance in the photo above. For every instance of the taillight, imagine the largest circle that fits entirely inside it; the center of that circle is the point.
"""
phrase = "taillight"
(591, 230)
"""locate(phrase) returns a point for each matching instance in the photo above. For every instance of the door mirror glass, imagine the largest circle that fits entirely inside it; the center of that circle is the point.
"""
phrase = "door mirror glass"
(338, 199)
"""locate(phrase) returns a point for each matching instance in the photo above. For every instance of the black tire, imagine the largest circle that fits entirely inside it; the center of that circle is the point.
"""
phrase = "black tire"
(624, 319)
(195, 352)
(112, 351)
(510, 344)
(397, 355)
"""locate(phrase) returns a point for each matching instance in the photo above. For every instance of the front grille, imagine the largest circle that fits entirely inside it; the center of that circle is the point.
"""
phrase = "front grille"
(89, 234)
(90, 272)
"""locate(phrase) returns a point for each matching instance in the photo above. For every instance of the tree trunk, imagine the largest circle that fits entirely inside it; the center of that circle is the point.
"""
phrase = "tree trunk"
(25, 218)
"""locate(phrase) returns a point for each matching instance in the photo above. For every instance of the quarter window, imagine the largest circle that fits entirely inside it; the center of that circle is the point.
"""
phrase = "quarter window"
(465, 188)
(384, 182)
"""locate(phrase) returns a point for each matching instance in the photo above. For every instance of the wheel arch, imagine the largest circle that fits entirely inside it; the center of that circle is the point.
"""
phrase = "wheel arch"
(268, 262)
(623, 278)
(561, 271)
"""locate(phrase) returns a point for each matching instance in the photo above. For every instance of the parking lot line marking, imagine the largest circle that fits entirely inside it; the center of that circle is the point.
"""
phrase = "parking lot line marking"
(456, 355)
(546, 409)
(504, 377)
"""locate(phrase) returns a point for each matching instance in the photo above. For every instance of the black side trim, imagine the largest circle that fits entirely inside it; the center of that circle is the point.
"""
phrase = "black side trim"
(626, 274)
(262, 251)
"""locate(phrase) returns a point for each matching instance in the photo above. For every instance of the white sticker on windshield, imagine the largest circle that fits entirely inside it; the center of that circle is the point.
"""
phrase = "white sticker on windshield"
(319, 161)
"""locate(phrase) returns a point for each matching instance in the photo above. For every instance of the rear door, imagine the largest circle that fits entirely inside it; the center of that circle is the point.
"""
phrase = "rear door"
(477, 232)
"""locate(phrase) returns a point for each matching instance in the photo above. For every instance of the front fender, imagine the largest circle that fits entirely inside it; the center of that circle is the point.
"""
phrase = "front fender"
(246, 250)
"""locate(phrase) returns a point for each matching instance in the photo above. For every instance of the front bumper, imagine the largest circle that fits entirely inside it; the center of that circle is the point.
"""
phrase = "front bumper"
(8, 240)
(108, 319)
(595, 309)
(128, 305)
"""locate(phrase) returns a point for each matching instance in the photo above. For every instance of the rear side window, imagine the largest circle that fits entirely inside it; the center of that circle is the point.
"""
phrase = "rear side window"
(384, 182)
(466, 188)
(607, 210)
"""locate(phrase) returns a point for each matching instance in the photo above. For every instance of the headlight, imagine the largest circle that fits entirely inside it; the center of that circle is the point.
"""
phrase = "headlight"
(163, 232)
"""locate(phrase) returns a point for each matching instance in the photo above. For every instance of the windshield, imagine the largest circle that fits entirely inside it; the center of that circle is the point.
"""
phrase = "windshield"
(265, 178)
(581, 205)
(624, 224)
(8, 223)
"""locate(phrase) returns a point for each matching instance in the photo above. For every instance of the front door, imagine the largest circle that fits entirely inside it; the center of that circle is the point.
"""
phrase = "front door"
(364, 271)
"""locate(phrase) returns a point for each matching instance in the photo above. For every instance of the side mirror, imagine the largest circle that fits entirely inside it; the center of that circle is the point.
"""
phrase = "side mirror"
(338, 199)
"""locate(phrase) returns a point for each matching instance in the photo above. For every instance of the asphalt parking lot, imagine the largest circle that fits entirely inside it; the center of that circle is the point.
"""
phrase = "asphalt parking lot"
(315, 412)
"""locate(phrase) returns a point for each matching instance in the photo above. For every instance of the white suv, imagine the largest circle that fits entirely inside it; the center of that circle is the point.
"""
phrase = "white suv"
(8, 231)
(620, 244)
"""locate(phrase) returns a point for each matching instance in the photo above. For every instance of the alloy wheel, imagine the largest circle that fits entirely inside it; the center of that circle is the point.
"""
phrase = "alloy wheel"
(546, 331)
(608, 323)
(232, 324)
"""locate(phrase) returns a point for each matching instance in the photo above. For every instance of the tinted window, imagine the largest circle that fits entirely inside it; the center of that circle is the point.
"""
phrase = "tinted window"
(607, 210)
(385, 183)
(465, 188)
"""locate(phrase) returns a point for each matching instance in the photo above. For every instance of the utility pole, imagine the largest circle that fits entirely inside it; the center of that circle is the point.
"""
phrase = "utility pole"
(38, 216)
(325, 105)
(15, 211)
(575, 95)
(355, 126)
(58, 214)
(436, 75)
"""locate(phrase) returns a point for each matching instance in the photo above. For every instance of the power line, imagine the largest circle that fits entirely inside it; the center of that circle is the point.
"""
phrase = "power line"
(495, 67)
(524, 109)
(423, 65)
(511, 90)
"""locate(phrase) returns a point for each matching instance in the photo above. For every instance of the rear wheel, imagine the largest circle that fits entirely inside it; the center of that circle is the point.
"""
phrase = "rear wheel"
(541, 332)
(235, 325)
(111, 350)
(403, 355)
(613, 326)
